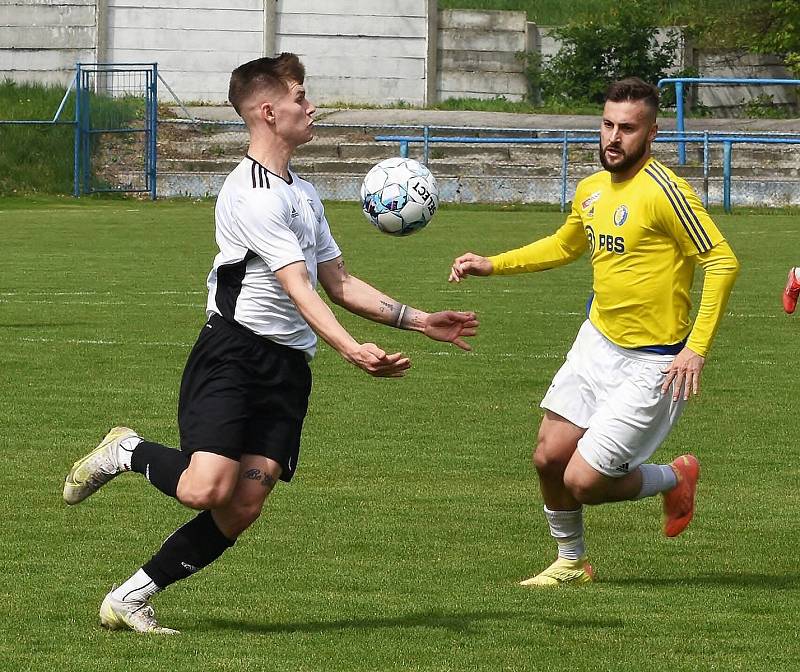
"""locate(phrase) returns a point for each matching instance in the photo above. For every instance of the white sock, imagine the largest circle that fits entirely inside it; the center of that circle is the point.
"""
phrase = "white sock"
(566, 527)
(797, 273)
(656, 478)
(125, 450)
(138, 588)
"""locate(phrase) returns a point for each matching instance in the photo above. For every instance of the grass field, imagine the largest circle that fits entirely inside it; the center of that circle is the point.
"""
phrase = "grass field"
(414, 511)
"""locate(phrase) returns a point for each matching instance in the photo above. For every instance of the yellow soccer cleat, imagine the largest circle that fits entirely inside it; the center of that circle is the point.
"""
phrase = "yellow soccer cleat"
(97, 468)
(562, 572)
(139, 617)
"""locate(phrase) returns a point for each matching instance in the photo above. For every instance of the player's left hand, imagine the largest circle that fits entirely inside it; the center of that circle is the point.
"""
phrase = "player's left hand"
(451, 326)
(684, 374)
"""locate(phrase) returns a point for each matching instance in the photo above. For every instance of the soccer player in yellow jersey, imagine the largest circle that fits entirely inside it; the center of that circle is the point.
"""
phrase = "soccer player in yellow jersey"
(638, 357)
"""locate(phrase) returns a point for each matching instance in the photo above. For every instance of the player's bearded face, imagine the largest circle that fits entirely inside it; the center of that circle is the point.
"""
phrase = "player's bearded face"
(617, 159)
(625, 135)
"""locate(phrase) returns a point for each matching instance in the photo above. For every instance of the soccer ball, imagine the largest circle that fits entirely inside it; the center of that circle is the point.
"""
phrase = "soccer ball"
(399, 196)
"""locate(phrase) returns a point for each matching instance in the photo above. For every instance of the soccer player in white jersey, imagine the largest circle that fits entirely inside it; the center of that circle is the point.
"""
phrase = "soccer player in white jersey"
(638, 357)
(245, 388)
(792, 290)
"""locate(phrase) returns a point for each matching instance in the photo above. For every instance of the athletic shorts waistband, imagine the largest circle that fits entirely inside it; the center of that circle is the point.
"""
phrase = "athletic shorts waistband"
(631, 353)
(217, 321)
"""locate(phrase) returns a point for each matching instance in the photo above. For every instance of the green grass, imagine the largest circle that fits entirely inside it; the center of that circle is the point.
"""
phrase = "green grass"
(415, 510)
(39, 158)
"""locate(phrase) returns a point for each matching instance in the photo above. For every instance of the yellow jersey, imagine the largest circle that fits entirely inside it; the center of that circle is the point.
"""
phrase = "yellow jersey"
(645, 236)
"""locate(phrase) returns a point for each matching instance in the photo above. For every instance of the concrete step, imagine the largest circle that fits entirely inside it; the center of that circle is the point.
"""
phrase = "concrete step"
(496, 189)
(309, 165)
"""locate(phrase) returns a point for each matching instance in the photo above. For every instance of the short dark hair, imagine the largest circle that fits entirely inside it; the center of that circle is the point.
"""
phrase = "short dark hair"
(270, 73)
(635, 89)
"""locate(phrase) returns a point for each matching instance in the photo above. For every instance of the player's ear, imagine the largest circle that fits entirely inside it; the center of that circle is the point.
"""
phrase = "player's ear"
(267, 112)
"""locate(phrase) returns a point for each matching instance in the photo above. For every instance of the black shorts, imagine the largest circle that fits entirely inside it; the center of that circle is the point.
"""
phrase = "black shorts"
(243, 394)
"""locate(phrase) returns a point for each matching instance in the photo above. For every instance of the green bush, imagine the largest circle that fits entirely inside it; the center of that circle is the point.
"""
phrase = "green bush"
(594, 54)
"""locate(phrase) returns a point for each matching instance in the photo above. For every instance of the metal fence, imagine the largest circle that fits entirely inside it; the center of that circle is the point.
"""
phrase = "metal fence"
(115, 144)
(679, 83)
(114, 156)
(567, 137)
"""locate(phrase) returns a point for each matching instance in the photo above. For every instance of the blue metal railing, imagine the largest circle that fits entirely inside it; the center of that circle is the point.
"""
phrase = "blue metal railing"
(680, 81)
(567, 137)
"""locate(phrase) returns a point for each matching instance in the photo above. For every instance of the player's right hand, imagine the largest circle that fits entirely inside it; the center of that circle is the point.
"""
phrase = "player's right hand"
(469, 264)
(370, 358)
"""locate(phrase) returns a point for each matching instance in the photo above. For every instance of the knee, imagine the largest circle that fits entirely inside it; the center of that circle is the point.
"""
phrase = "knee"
(204, 497)
(548, 461)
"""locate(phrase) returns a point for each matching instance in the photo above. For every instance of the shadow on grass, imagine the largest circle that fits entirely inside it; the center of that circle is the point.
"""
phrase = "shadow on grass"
(742, 580)
(461, 623)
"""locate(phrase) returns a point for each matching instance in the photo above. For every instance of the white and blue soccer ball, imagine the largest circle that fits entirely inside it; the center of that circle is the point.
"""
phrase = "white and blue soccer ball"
(399, 196)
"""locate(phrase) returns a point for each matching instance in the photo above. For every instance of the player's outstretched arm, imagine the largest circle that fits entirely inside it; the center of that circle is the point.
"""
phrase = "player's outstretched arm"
(366, 356)
(469, 264)
(363, 299)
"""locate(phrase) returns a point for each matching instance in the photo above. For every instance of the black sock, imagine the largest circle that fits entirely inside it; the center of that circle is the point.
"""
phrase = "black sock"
(160, 465)
(188, 549)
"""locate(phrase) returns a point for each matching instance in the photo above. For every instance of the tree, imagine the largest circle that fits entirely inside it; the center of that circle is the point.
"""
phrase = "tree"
(777, 31)
(593, 54)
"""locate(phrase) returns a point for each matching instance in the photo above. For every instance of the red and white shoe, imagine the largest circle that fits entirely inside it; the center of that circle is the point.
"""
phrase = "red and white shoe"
(791, 292)
(679, 502)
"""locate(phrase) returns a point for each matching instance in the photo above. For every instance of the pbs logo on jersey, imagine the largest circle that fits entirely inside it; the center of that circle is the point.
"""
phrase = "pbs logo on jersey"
(399, 196)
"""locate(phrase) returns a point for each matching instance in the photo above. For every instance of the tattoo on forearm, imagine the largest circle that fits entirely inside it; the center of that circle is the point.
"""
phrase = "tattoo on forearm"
(267, 480)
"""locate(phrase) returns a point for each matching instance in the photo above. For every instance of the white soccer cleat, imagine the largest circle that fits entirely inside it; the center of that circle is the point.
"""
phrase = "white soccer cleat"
(136, 616)
(98, 467)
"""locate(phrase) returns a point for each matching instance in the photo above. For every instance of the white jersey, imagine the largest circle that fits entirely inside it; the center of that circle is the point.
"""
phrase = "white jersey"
(264, 223)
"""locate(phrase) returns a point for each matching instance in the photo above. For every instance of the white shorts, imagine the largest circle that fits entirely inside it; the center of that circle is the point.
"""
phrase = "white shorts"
(615, 394)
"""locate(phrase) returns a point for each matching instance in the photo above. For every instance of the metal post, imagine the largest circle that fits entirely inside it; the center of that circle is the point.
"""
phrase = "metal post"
(77, 146)
(153, 131)
(86, 124)
(726, 175)
(564, 163)
(426, 132)
(404, 149)
(705, 169)
(679, 123)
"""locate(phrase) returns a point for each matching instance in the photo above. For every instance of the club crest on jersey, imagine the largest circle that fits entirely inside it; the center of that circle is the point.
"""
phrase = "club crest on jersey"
(590, 200)
(620, 215)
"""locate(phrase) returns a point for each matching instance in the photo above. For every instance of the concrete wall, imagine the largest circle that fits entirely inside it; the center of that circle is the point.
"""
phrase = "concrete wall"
(356, 51)
(362, 51)
(41, 40)
(195, 43)
(726, 100)
(479, 55)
